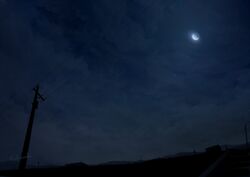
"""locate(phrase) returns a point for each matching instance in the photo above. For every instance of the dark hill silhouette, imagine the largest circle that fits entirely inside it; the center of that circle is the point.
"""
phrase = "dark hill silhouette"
(214, 162)
(187, 165)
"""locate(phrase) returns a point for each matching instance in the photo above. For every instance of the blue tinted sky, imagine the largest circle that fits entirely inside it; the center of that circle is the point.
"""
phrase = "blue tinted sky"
(123, 79)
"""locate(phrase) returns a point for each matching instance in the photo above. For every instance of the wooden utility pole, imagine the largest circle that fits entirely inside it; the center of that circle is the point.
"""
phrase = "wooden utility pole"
(246, 134)
(24, 156)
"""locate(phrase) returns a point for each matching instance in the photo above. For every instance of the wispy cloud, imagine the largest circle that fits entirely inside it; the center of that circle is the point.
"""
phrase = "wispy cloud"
(120, 76)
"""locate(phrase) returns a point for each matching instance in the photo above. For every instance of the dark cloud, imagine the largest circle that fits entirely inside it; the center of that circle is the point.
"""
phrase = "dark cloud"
(122, 78)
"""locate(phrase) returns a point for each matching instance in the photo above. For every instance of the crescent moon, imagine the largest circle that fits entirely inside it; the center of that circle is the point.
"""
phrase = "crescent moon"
(195, 37)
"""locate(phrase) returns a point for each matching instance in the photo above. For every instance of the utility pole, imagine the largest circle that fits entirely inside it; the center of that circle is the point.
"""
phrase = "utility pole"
(24, 156)
(246, 135)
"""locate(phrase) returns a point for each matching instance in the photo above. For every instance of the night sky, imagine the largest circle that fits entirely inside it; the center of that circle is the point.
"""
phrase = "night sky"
(124, 80)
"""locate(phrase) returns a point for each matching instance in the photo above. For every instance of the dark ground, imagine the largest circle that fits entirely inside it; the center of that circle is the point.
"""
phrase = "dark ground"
(215, 162)
(189, 165)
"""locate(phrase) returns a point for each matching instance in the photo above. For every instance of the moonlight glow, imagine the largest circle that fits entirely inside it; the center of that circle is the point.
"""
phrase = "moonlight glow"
(195, 37)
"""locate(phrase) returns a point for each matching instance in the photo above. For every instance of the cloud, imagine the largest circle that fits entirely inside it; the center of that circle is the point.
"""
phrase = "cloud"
(2, 1)
(121, 79)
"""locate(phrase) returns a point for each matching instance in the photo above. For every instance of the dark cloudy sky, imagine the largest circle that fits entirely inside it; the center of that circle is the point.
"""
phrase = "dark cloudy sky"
(123, 79)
